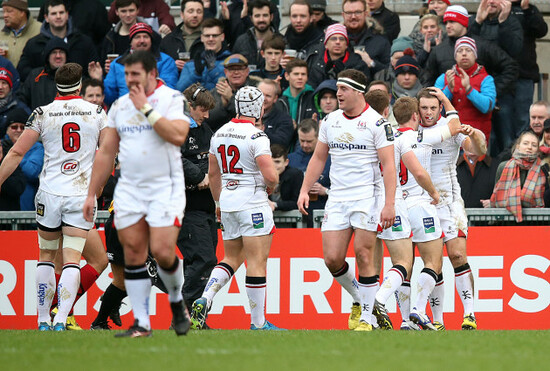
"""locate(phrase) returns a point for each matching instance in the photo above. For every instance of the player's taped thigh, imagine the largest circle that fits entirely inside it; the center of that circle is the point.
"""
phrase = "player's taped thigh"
(75, 243)
(51, 245)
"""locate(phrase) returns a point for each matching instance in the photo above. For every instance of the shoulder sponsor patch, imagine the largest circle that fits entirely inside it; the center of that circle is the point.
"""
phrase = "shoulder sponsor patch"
(420, 136)
(397, 226)
(258, 220)
(99, 109)
(389, 132)
(258, 135)
(398, 134)
(381, 121)
(429, 225)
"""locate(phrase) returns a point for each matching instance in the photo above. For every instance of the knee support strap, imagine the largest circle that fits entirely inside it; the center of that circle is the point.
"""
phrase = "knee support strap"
(75, 243)
(48, 244)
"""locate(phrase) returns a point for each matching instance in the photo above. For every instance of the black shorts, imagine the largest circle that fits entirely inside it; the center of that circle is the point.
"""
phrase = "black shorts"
(115, 253)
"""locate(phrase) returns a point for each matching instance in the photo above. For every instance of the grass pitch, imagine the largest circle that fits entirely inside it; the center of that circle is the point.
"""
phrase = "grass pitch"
(297, 350)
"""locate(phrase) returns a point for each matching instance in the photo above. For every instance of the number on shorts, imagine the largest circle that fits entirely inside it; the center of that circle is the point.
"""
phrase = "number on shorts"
(403, 173)
(232, 151)
(70, 137)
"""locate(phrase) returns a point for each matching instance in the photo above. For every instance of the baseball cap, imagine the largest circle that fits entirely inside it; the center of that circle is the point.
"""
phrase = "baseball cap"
(235, 60)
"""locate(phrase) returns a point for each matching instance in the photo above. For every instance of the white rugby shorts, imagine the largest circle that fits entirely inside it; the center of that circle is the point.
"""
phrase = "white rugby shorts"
(425, 222)
(401, 228)
(52, 211)
(453, 219)
(257, 221)
(361, 214)
(130, 206)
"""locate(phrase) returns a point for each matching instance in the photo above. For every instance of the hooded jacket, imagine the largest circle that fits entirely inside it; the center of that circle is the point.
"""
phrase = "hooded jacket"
(327, 85)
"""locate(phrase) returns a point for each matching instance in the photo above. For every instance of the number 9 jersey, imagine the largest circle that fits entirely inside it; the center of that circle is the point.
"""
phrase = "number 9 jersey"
(69, 128)
(236, 146)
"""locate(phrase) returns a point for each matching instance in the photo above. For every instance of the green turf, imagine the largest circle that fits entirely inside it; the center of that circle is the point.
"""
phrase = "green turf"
(298, 350)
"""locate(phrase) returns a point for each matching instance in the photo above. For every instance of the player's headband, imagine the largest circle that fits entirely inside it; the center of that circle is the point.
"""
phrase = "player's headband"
(351, 83)
(70, 87)
(197, 92)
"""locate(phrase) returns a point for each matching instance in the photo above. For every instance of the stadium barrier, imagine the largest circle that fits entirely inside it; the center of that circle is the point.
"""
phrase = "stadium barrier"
(510, 266)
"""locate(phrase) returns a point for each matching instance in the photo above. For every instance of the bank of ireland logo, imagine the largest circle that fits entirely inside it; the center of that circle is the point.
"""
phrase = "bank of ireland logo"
(429, 225)
(70, 167)
(258, 220)
(397, 226)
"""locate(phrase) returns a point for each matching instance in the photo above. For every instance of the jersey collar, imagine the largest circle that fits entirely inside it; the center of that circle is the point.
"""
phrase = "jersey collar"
(68, 97)
(159, 84)
(404, 129)
(353, 117)
(239, 121)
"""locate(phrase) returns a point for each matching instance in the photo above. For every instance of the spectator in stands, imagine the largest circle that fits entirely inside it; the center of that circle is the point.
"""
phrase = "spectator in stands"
(156, 14)
(207, 67)
(8, 100)
(522, 180)
(92, 91)
(7, 65)
(19, 27)
(57, 24)
(142, 37)
(277, 122)
(285, 195)
(186, 37)
(325, 99)
(406, 82)
(544, 144)
(14, 186)
(301, 35)
(308, 132)
(319, 15)
(334, 57)
(117, 40)
(39, 88)
(247, 43)
(387, 19)
(31, 164)
(273, 49)
(539, 112)
(298, 97)
(88, 17)
(534, 27)
(365, 35)
(476, 175)
(236, 76)
(469, 88)
(428, 35)
(397, 51)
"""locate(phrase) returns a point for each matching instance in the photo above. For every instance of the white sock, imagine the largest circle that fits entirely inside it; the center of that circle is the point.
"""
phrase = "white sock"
(464, 281)
(69, 283)
(45, 288)
(403, 298)
(393, 280)
(436, 299)
(347, 280)
(221, 274)
(138, 287)
(367, 291)
(424, 286)
(255, 289)
(173, 280)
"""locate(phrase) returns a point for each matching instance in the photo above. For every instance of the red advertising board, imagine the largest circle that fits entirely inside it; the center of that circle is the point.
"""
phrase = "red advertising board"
(510, 265)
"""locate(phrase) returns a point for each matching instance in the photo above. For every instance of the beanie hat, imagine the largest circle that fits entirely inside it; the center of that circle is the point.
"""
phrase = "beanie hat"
(445, 1)
(249, 101)
(140, 27)
(334, 29)
(456, 13)
(407, 64)
(17, 4)
(400, 44)
(318, 4)
(16, 115)
(467, 42)
(51, 45)
(6, 76)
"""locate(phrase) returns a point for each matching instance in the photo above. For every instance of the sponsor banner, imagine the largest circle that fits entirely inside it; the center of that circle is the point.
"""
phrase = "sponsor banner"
(510, 266)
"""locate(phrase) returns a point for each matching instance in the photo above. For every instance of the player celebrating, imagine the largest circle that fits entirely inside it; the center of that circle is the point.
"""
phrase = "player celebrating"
(70, 129)
(450, 209)
(146, 127)
(357, 138)
(241, 172)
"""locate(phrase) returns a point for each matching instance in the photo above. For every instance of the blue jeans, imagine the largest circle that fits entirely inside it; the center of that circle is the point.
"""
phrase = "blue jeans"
(524, 98)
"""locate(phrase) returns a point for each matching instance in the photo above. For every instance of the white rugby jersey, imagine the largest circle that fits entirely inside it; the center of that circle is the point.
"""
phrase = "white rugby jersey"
(353, 144)
(69, 128)
(402, 145)
(148, 162)
(443, 163)
(236, 146)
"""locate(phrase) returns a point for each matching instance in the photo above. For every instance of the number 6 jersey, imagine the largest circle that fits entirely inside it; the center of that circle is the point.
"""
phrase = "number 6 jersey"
(69, 128)
(236, 146)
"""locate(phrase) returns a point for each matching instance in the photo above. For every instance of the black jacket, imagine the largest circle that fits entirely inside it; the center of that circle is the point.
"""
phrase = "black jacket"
(306, 105)
(173, 43)
(389, 20)
(508, 34)
(495, 60)
(290, 182)
(278, 126)
(324, 22)
(534, 27)
(375, 44)
(194, 155)
(480, 185)
(306, 42)
(247, 45)
(81, 50)
(321, 68)
(39, 88)
(236, 26)
(114, 43)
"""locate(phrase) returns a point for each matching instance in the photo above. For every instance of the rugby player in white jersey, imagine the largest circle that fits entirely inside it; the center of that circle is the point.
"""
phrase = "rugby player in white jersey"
(70, 129)
(357, 139)
(450, 210)
(241, 173)
(146, 127)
